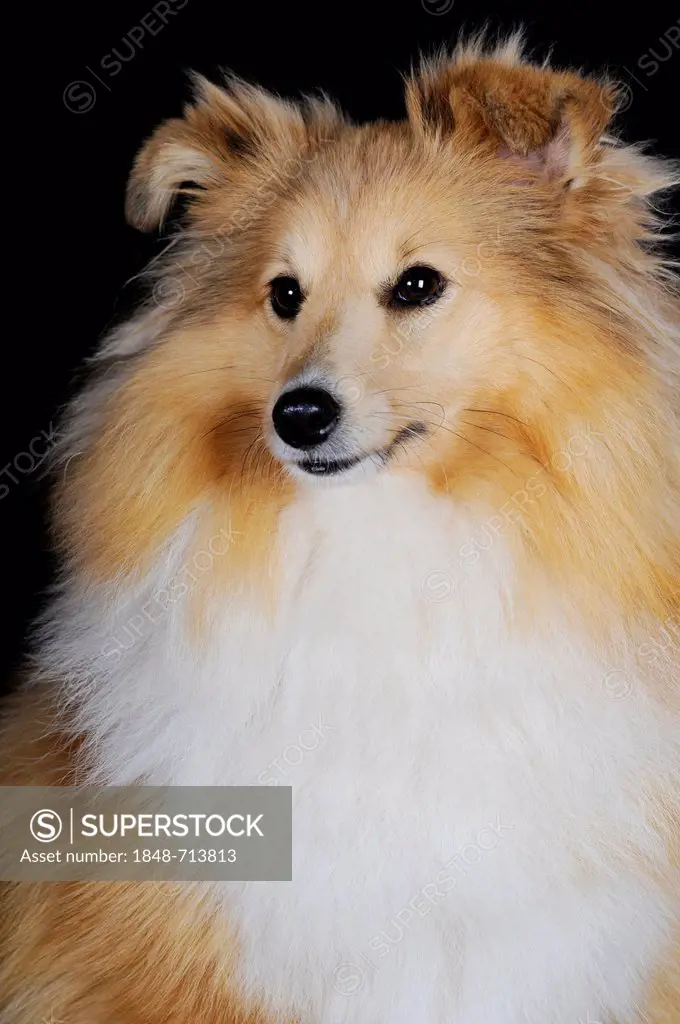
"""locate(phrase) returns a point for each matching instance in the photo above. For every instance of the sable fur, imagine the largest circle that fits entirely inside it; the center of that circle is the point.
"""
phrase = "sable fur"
(570, 331)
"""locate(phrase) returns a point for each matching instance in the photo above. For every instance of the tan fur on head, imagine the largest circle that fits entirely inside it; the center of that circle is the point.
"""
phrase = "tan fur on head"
(226, 134)
(502, 164)
(496, 101)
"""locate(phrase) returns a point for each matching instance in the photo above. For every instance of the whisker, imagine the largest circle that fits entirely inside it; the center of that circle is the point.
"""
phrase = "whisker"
(245, 458)
(490, 455)
(462, 437)
(227, 366)
(546, 368)
(490, 430)
(228, 420)
(495, 412)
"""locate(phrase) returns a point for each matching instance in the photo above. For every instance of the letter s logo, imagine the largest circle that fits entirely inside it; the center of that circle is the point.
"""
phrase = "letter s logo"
(46, 826)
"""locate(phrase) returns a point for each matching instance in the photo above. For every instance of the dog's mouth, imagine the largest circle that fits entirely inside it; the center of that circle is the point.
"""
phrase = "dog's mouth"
(320, 466)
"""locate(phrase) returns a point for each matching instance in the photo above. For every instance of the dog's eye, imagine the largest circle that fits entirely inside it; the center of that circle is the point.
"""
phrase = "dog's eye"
(286, 297)
(418, 286)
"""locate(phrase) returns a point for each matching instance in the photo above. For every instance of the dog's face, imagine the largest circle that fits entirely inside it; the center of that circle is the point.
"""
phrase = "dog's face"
(369, 314)
(348, 301)
(348, 304)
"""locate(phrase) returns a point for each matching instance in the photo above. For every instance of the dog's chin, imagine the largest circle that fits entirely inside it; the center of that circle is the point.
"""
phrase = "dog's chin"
(328, 466)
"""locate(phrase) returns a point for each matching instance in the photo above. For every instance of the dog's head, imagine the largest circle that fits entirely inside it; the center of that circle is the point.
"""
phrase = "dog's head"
(443, 295)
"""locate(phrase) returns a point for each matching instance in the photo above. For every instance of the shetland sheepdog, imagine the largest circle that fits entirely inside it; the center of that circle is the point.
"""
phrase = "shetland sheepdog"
(377, 496)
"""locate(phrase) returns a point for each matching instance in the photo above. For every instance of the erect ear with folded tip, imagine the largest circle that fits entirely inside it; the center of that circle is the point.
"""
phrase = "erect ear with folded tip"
(550, 122)
(226, 137)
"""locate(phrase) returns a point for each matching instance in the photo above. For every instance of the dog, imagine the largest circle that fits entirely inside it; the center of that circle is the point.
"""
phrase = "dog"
(384, 471)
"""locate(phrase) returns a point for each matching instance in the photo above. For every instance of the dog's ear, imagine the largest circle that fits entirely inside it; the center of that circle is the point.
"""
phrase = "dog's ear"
(550, 121)
(223, 135)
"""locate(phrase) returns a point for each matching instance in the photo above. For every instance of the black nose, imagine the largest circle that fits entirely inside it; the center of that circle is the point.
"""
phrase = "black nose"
(305, 417)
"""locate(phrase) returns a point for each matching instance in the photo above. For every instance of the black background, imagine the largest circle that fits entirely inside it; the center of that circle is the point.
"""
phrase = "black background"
(73, 164)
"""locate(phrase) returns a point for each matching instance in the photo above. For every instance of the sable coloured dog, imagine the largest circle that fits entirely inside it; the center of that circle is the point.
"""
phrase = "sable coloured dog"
(423, 376)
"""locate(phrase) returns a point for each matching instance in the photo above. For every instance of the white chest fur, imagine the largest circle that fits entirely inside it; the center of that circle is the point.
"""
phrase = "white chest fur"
(464, 797)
